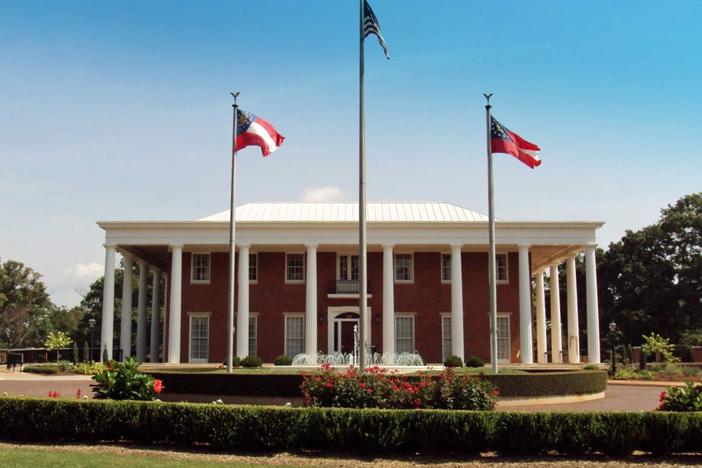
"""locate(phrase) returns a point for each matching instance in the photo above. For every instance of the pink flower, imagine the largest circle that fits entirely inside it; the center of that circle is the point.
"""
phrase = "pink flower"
(662, 396)
(158, 386)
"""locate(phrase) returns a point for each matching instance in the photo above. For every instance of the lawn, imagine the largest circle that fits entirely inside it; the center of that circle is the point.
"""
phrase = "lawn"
(21, 457)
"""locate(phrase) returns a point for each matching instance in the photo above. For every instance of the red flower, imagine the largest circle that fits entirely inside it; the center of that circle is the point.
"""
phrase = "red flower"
(362, 385)
(158, 386)
(662, 396)
(326, 366)
(329, 384)
(78, 395)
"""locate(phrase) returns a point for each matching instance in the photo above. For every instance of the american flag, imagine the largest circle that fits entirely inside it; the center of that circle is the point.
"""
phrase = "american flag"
(372, 26)
(503, 140)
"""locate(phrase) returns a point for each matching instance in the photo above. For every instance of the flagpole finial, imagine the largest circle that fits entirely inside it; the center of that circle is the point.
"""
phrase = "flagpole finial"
(487, 97)
(235, 95)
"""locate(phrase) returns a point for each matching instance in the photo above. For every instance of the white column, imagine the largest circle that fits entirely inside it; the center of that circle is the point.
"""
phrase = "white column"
(155, 314)
(573, 333)
(556, 340)
(388, 302)
(174, 316)
(108, 303)
(541, 344)
(593, 314)
(457, 346)
(164, 330)
(141, 312)
(311, 347)
(125, 333)
(526, 352)
(242, 305)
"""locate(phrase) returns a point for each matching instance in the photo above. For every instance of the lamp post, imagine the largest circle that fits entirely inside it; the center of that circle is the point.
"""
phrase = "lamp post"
(91, 324)
(613, 344)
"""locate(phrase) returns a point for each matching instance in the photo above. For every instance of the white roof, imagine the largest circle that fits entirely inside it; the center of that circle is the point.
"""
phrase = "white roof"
(347, 212)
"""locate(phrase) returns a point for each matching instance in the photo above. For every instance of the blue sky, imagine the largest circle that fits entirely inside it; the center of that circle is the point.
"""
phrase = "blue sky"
(120, 110)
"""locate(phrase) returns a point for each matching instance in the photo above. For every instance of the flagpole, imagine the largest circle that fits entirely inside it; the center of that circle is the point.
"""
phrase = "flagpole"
(363, 293)
(491, 248)
(232, 247)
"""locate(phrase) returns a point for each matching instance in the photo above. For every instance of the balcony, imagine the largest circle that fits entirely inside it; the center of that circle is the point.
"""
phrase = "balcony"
(344, 289)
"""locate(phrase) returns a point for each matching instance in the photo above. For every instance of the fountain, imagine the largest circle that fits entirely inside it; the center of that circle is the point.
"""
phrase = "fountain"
(351, 359)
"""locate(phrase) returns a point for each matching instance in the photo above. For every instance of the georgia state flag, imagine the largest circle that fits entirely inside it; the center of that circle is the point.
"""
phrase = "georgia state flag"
(254, 131)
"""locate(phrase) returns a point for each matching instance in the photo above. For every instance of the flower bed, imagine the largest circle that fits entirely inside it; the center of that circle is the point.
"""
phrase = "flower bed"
(380, 388)
(374, 431)
(687, 398)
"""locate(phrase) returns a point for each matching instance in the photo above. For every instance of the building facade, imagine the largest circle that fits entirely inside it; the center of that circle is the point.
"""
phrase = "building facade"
(297, 284)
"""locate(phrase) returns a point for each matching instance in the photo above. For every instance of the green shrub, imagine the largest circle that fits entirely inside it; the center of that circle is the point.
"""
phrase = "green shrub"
(687, 398)
(236, 362)
(453, 361)
(123, 381)
(283, 360)
(87, 368)
(251, 362)
(591, 367)
(475, 361)
(252, 428)
(43, 369)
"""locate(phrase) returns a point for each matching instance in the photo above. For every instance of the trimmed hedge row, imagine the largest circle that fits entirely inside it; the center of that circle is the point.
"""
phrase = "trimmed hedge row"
(369, 430)
(288, 385)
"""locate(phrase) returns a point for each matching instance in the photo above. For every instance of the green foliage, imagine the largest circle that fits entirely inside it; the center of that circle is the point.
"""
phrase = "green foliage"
(87, 368)
(64, 367)
(56, 341)
(283, 360)
(655, 343)
(475, 361)
(123, 381)
(626, 373)
(591, 367)
(252, 428)
(687, 398)
(549, 383)
(251, 362)
(376, 388)
(453, 361)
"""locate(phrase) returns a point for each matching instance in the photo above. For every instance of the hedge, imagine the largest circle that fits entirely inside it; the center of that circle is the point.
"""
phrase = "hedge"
(254, 428)
(288, 385)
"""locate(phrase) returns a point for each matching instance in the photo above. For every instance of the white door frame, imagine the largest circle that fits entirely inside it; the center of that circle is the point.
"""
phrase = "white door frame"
(333, 312)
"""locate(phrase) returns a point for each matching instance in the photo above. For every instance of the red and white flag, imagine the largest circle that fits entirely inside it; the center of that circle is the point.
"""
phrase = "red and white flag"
(503, 140)
(254, 131)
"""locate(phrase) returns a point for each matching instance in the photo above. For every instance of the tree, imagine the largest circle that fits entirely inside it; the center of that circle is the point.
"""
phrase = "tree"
(56, 341)
(25, 308)
(650, 280)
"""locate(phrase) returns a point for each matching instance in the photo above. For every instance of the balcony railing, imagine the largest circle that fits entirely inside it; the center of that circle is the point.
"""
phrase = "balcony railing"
(347, 287)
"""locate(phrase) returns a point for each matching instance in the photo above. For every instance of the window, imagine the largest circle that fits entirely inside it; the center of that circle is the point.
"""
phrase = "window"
(348, 267)
(200, 269)
(253, 268)
(502, 268)
(446, 268)
(404, 271)
(445, 336)
(294, 334)
(295, 267)
(404, 334)
(503, 342)
(253, 333)
(199, 337)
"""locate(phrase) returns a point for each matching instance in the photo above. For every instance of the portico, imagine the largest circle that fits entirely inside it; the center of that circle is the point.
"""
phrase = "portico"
(427, 282)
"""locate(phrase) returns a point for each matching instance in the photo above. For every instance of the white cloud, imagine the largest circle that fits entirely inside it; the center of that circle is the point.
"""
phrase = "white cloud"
(74, 281)
(326, 193)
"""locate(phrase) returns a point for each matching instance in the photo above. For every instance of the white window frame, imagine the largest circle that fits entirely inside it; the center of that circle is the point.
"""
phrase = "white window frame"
(349, 261)
(254, 256)
(191, 316)
(497, 269)
(304, 264)
(449, 352)
(394, 273)
(286, 316)
(414, 330)
(441, 266)
(192, 268)
(508, 316)
(253, 337)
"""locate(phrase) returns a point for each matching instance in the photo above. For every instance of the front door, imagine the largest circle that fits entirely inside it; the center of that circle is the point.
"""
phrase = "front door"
(345, 326)
(347, 334)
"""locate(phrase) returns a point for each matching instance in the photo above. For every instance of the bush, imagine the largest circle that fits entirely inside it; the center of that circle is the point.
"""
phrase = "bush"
(43, 369)
(251, 362)
(475, 361)
(236, 362)
(283, 360)
(376, 388)
(687, 398)
(549, 383)
(123, 381)
(591, 367)
(88, 368)
(252, 428)
(453, 361)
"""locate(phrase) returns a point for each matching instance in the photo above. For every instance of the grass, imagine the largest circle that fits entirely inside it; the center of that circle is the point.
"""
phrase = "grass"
(20, 457)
